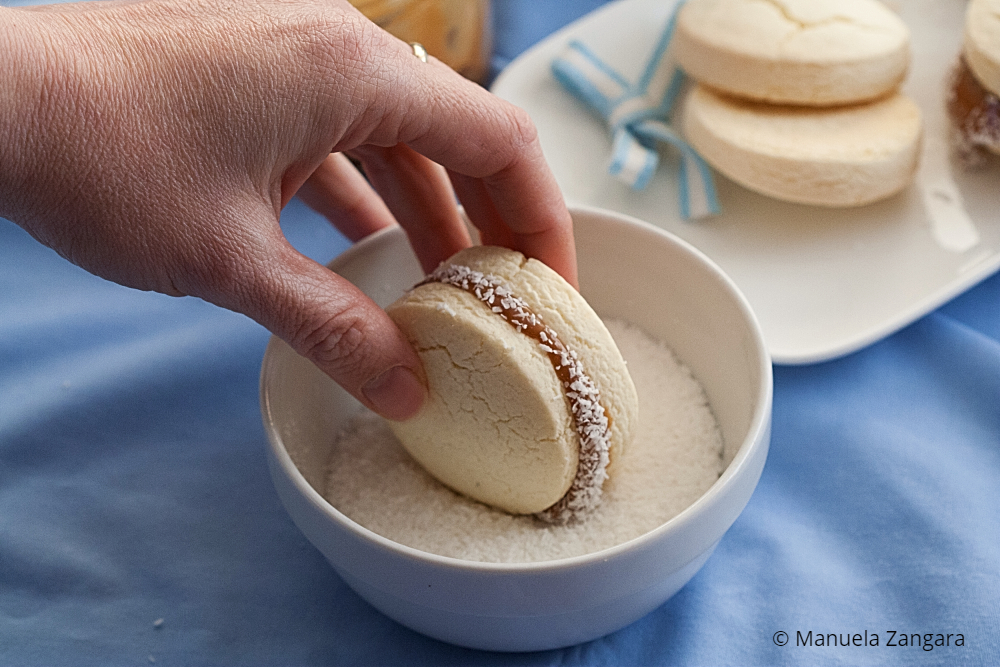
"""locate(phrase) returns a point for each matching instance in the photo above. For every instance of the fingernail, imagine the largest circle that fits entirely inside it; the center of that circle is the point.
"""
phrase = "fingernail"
(396, 394)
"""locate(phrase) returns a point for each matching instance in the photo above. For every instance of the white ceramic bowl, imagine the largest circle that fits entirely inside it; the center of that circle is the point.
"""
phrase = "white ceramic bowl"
(628, 270)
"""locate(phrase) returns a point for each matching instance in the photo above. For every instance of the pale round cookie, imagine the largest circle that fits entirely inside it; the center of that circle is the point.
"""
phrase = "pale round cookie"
(812, 52)
(497, 424)
(838, 156)
(982, 42)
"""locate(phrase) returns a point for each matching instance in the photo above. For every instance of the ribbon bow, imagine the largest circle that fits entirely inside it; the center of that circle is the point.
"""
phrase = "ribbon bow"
(636, 115)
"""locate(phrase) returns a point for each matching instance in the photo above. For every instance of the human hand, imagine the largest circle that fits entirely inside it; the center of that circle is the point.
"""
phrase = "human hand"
(155, 144)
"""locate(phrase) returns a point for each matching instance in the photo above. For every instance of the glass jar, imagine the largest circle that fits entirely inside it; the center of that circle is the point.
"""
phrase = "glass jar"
(457, 32)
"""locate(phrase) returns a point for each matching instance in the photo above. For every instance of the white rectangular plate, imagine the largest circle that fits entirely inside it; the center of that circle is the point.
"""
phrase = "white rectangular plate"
(823, 282)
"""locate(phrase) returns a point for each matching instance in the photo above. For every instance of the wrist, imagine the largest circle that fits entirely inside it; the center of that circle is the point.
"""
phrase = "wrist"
(38, 102)
(20, 86)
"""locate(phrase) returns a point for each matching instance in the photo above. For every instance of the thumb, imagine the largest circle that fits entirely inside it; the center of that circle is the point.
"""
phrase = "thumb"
(332, 323)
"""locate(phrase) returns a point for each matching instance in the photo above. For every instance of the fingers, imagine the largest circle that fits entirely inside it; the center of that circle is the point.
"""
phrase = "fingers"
(419, 195)
(515, 199)
(502, 178)
(333, 324)
(340, 193)
(410, 189)
(514, 224)
(321, 316)
(489, 147)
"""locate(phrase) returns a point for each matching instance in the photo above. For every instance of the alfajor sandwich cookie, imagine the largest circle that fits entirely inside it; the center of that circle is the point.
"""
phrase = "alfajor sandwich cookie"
(974, 96)
(530, 402)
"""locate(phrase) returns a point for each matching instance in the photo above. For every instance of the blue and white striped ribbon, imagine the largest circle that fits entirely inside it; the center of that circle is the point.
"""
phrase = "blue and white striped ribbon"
(636, 115)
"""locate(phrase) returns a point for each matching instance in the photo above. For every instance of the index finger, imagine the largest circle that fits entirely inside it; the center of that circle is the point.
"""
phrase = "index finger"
(517, 209)
(492, 153)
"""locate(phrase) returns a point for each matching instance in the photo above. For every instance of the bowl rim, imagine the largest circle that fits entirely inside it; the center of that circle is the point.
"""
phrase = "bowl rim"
(754, 439)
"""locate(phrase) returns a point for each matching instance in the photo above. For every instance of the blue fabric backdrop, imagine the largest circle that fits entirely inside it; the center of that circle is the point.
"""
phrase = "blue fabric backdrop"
(138, 524)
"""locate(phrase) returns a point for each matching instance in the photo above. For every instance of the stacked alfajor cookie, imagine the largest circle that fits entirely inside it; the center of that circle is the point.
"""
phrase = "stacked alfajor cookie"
(974, 98)
(798, 99)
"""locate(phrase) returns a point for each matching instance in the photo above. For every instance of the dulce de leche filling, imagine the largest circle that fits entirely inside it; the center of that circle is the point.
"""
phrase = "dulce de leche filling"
(588, 415)
(974, 112)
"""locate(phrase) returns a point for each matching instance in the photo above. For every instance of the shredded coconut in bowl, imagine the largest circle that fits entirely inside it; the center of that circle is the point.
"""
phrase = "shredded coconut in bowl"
(675, 457)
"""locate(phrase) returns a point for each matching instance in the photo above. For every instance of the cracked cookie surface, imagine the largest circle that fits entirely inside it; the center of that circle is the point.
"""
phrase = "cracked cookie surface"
(497, 425)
